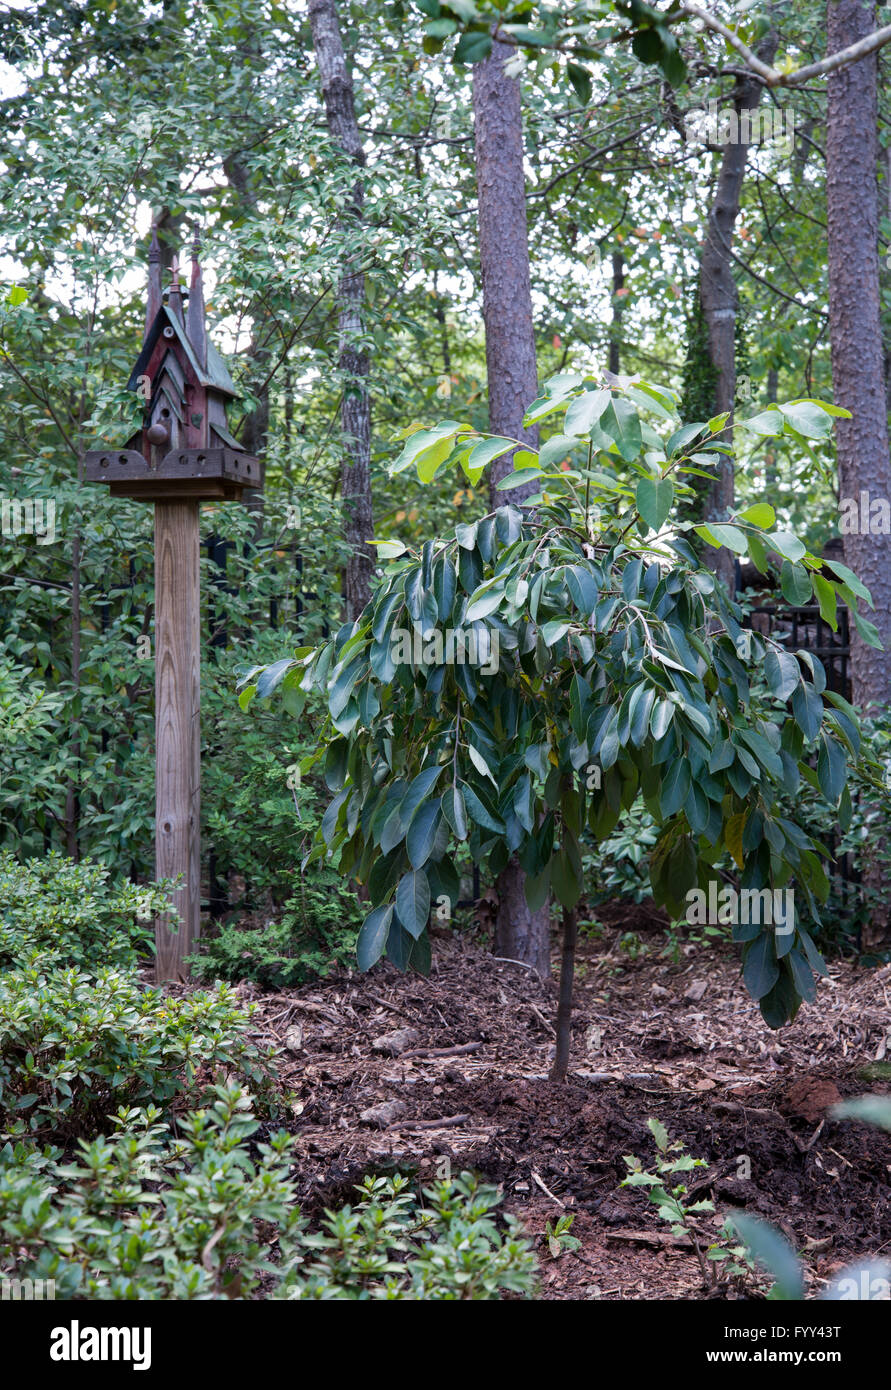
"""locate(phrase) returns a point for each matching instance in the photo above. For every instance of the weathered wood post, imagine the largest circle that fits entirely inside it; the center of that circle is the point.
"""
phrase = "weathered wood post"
(183, 455)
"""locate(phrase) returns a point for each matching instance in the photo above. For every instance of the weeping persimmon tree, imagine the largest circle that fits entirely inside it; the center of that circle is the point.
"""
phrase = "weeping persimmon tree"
(497, 668)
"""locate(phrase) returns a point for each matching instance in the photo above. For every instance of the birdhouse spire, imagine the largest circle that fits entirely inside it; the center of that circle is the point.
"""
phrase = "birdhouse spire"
(196, 327)
(154, 298)
(174, 296)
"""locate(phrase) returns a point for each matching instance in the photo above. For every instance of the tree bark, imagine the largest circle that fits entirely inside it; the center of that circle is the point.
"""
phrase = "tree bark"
(564, 1006)
(857, 356)
(615, 332)
(512, 381)
(504, 259)
(719, 295)
(855, 325)
(355, 411)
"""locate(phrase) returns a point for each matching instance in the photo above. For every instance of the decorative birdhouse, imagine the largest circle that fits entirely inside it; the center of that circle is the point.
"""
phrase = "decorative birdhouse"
(184, 449)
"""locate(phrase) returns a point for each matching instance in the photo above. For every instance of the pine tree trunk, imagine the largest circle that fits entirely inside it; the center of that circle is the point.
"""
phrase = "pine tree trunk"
(504, 259)
(355, 477)
(512, 380)
(856, 345)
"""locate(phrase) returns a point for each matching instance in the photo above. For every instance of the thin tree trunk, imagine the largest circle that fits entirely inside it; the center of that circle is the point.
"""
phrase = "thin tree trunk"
(355, 476)
(719, 295)
(856, 345)
(564, 1006)
(512, 380)
(255, 430)
(615, 333)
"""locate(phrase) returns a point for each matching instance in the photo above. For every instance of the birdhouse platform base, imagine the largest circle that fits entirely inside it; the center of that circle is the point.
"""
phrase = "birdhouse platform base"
(181, 475)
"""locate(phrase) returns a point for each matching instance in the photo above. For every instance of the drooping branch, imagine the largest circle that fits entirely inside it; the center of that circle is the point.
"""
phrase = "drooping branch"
(772, 76)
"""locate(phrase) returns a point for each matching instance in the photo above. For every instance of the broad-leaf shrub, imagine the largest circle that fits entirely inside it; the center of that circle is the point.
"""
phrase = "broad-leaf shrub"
(75, 1046)
(213, 1214)
(75, 913)
(614, 652)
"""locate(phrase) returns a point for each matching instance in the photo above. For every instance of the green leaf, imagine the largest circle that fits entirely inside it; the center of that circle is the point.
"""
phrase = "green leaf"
(480, 763)
(473, 47)
(565, 880)
(373, 936)
(621, 423)
(765, 423)
(455, 811)
(827, 599)
(808, 419)
(788, 545)
(581, 82)
(807, 707)
(675, 787)
(552, 631)
(485, 600)
(486, 450)
(421, 835)
(832, 765)
(586, 410)
(782, 672)
(271, 676)
(478, 813)
(795, 582)
(413, 901)
(719, 533)
(654, 501)
(760, 514)
(418, 791)
(389, 550)
(760, 969)
(850, 579)
(659, 1133)
(867, 630)
(519, 478)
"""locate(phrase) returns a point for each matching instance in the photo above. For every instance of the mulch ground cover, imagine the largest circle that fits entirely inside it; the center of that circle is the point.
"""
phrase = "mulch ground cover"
(390, 1072)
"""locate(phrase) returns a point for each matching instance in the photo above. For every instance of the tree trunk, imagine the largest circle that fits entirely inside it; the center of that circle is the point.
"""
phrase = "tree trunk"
(355, 415)
(504, 259)
(564, 1006)
(512, 380)
(856, 346)
(719, 296)
(615, 333)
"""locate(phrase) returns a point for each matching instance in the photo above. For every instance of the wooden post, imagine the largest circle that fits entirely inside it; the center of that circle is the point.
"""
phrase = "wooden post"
(177, 728)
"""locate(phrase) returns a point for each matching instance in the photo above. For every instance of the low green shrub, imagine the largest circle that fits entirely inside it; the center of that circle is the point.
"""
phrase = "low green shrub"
(141, 1215)
(138, 1215)
(75, 1046)
(391, 1246)
(73, 913)
(316, 932)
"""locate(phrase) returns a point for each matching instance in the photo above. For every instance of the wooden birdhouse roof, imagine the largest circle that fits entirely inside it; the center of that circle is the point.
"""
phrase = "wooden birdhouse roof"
(215, 374)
